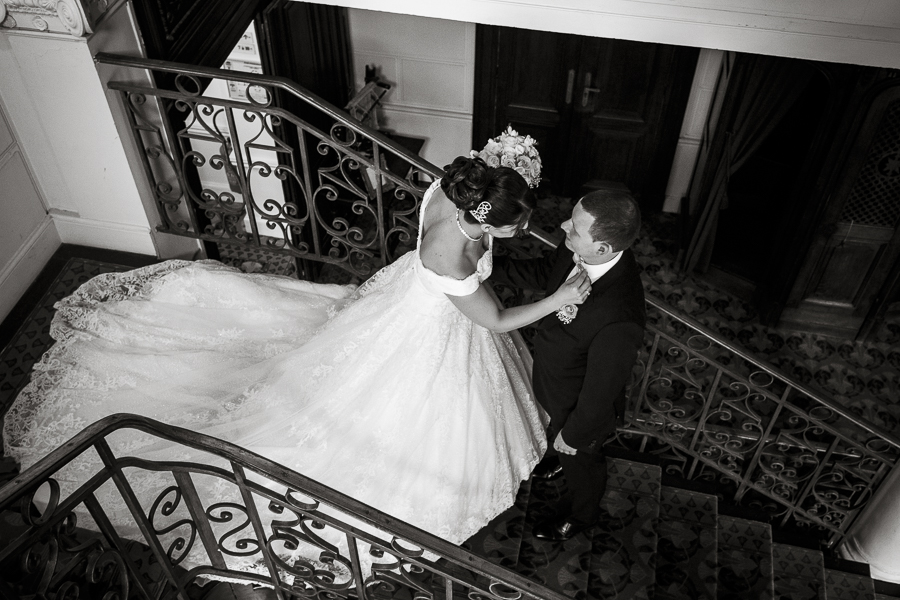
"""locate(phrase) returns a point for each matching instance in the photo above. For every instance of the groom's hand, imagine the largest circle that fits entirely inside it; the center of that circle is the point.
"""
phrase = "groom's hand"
(561, 446)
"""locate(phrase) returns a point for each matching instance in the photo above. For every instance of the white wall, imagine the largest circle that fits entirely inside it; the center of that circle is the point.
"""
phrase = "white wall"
(58, 107)
(27, 236)
(430, 64)
(863, 32)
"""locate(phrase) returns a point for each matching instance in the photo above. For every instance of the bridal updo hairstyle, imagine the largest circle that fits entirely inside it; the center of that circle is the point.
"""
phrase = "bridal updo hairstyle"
(469, 181)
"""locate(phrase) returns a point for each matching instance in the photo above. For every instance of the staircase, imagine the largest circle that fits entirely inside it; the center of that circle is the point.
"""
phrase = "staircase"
(659, 538)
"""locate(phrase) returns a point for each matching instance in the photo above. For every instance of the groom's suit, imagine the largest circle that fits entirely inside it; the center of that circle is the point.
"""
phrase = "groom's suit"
(581, 368)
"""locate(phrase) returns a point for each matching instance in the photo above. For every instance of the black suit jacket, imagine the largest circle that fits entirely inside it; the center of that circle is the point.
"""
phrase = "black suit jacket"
(581, 369)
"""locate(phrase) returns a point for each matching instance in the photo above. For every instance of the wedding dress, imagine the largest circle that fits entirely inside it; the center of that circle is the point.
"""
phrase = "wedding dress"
(386, 393)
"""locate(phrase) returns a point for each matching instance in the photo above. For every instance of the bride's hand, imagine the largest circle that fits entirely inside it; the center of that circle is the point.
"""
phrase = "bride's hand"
(575, 290)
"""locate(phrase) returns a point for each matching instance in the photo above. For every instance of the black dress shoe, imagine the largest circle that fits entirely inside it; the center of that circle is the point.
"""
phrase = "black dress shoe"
(547, 469)
(559, 529)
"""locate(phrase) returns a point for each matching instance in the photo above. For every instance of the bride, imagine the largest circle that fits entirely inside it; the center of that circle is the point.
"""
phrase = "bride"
(405, 393)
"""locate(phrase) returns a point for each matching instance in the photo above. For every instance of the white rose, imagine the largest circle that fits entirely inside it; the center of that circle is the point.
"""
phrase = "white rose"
(492, 147)
(508, 161)
(521, 171)
(520, 149)
(492, 160)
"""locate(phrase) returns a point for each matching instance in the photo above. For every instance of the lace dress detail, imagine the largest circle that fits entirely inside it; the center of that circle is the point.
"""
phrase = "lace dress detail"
(386, 393)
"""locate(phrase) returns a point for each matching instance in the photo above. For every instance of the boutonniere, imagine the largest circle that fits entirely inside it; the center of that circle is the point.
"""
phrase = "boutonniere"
(567, 313)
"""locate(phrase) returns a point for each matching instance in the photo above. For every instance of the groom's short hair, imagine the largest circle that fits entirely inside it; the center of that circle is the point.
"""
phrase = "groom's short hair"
(617, 217)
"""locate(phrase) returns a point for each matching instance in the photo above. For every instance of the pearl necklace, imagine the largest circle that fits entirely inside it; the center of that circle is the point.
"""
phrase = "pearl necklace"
(463, 231)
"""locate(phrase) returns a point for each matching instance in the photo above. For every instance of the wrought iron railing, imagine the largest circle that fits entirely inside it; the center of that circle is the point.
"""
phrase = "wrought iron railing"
(229, 165)
(53, 557)
(241, 170)
(714, 412)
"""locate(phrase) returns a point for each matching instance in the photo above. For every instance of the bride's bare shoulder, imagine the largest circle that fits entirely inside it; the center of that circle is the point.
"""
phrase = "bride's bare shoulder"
(440, 254)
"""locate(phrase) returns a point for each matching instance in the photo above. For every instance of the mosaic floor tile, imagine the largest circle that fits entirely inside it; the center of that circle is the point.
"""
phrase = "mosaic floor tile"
(846, 586)
(745, 560)
(799, 573)
(623, 553)
(686, 552)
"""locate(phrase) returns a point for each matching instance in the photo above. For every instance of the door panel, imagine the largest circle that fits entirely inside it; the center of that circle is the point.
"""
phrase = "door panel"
(850, 261)
(601, 110)
(530, 73)
(847, 265)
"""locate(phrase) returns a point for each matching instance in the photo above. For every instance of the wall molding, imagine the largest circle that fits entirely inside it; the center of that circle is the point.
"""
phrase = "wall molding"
(27, 263)
(428, 111)
(104, 234)
(78, 18)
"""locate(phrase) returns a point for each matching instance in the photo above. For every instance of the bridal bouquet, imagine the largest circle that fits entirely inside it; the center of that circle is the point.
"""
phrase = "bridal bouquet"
(509, 149)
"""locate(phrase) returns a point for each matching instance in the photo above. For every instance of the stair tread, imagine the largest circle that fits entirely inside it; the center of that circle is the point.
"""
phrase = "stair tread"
(558, 566)
(799, 572)
(687, 548)
(500, 541)
(623, 545)
(744, 559)
(840, 585)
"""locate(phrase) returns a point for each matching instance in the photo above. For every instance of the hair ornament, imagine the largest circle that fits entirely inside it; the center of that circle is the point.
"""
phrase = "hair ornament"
(518, 152)
(480, 213)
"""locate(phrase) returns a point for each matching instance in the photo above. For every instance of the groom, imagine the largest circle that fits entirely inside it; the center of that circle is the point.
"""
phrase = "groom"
(581, 368)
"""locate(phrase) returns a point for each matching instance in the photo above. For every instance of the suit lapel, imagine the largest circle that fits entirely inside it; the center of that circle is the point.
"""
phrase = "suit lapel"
(561, 268)
(599, 287)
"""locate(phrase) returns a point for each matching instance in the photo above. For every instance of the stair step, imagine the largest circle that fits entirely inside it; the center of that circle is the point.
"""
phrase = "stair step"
(687, 549)
(885, 590)
(840, 585)
(745, 559)
(799, 573)
(623, 546)
(500, 541)
(558, 566)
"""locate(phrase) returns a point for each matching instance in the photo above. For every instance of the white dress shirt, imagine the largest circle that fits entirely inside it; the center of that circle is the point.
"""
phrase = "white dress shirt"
(595, 272)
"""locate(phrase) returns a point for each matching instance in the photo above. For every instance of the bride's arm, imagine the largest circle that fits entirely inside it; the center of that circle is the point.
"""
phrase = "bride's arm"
(481, 308)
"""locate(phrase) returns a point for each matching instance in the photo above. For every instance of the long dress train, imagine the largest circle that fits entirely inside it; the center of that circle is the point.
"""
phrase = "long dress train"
(386, 393)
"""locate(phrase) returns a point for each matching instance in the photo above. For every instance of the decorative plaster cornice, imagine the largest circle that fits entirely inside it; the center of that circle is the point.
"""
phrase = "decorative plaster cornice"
(74, 17)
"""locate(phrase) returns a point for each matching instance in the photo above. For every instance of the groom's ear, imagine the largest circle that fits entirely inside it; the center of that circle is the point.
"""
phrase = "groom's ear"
(602, 248)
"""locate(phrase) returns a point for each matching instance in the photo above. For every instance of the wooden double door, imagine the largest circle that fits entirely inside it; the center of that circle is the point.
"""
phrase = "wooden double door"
(603, 111)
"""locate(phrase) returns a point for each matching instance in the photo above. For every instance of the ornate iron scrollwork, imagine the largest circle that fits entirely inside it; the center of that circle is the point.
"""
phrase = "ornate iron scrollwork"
(717, 415)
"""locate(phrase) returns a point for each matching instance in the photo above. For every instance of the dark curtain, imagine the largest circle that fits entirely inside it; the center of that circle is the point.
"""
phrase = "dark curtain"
(761, 91)
(309, 44)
